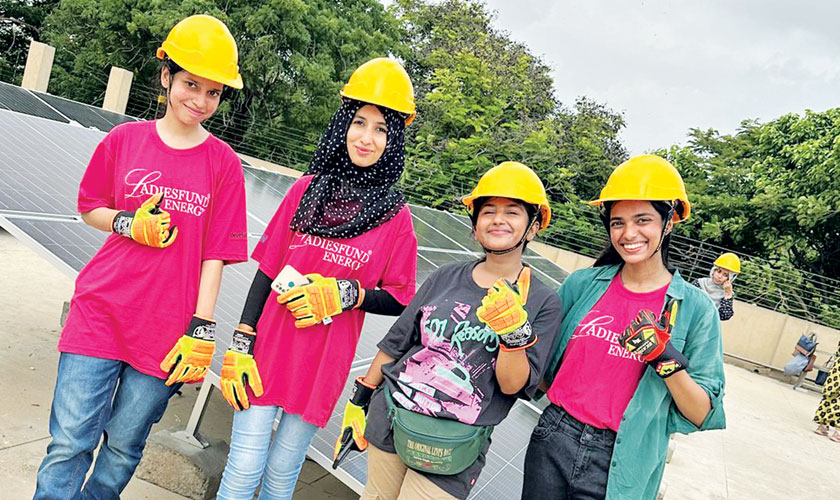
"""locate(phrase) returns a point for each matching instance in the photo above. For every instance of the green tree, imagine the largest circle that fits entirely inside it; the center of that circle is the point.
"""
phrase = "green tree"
(294, 57)
(20, 22)
(771, 189)
(483, 98)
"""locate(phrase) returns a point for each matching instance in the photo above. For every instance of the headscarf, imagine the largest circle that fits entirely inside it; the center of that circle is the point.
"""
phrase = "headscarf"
(712, 289)
(343, 200)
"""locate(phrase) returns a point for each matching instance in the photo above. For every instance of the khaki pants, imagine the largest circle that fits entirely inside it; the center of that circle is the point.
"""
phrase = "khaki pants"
(389, 479)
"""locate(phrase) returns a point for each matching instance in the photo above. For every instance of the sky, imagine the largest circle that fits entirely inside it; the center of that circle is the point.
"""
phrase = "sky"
(670, 66)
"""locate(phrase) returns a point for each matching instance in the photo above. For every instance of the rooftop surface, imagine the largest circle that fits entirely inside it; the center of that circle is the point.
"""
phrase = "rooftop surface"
(768, 451)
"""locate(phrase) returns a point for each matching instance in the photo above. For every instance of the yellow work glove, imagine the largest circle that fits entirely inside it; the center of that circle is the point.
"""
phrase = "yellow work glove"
(353, 423)
(320, 299)
(149, 225)
(240, 369)
(503, 310)
(190, 357)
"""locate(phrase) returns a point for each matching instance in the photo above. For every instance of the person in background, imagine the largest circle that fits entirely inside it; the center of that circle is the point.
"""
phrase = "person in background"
(828, 411)
(718, 286)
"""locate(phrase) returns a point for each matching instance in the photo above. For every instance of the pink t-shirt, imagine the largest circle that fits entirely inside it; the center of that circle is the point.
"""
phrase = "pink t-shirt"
(598, 377)
(133, 302)
(304, 370)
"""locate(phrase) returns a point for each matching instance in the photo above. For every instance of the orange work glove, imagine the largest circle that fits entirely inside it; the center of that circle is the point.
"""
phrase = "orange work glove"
(503, 310)
(190, 357)
(320, 299)
(149, 225)
(240, 369)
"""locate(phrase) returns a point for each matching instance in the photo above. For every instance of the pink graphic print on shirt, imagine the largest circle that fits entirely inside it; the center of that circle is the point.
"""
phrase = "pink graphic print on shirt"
(439, 377)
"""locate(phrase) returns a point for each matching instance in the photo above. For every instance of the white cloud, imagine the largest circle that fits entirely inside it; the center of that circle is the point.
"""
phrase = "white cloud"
(674, 65)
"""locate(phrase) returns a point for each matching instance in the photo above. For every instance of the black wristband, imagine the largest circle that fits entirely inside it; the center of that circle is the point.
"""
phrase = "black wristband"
(361, 394)
(243, 342)
(521, 338)
(348, 292)
(203, 329)
(669, 362)
(122, 223)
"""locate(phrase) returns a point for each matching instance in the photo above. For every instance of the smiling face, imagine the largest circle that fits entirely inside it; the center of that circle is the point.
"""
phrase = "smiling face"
(501, 222)
(192, 99)
(367, 136)
(635, 230)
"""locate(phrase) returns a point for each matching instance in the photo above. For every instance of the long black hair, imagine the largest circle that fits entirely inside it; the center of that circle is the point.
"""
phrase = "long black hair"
(610, 255)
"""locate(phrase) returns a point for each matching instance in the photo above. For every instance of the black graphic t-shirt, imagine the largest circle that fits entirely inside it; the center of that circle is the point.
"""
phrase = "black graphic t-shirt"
(446, 360)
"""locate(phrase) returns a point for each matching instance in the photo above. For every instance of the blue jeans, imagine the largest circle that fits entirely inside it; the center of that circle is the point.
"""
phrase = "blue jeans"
(253, 455)
(95, 396)
(567, 459)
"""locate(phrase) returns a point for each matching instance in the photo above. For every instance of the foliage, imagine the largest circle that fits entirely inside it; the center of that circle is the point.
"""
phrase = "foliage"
(20, 22)
(484, 98)
(294, 57)
(772, 190)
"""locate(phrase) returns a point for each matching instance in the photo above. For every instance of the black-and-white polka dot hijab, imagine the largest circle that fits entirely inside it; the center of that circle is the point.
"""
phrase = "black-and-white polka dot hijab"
(343, 200)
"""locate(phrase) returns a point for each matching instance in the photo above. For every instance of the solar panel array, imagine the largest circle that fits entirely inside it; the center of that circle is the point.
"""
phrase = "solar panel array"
(43, 158)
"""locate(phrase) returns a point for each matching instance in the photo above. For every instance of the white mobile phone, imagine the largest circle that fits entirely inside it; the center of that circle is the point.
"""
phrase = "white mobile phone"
(288, 278)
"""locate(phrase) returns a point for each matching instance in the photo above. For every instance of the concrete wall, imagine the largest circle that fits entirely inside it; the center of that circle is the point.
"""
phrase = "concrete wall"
(754, 333)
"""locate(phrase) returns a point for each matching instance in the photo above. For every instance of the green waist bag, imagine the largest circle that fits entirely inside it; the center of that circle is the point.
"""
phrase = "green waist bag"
(435, 445)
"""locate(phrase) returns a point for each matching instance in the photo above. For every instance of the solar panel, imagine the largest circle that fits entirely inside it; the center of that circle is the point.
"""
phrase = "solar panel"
(42, 163)
(84, 114)
(21, 100)
(37, 204)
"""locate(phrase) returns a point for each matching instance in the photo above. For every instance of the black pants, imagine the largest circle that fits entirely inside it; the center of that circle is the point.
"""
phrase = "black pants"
(567, 459)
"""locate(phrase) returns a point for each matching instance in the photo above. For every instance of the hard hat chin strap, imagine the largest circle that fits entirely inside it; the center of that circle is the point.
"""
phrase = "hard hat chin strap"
(664, 229)
(531, 221)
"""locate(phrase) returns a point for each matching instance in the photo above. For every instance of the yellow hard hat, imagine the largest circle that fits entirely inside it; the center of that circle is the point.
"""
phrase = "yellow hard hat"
(646, 177)
(512, 180)
(730, 262)
(383, 82)
(203, 46)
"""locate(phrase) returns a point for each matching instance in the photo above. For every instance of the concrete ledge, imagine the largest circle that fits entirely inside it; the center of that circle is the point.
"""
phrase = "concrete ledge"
(183, 468)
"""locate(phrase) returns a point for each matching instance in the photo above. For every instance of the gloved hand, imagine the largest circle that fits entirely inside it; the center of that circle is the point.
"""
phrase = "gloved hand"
(651, 339)
(149, 225)
(320, 299)
(503, 310)
(238, 369)
(190, 357)
(353, 423)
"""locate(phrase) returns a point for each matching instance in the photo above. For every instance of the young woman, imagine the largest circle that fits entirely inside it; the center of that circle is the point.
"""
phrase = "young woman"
(173, 197)
(475, 338)
(350, 232)
(718, 286)
(605, 433)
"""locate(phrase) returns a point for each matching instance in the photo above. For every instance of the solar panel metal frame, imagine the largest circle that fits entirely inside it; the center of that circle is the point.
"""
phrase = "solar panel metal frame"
(84, 114)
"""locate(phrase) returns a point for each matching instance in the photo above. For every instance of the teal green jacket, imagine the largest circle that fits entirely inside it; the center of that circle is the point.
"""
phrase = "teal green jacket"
(638, 458)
